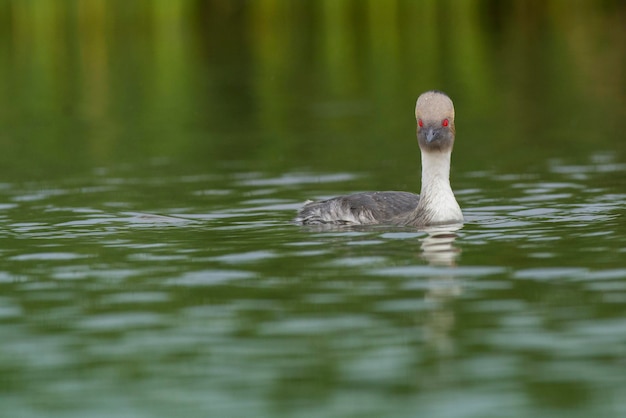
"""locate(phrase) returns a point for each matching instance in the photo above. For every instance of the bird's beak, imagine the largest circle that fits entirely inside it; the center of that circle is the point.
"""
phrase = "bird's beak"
(432, 134)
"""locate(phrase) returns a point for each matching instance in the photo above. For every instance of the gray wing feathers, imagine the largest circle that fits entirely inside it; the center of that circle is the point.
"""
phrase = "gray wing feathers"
(358, 209)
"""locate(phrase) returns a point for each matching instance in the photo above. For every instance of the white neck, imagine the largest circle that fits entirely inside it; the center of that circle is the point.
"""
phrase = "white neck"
(435, 170)
(437, 203)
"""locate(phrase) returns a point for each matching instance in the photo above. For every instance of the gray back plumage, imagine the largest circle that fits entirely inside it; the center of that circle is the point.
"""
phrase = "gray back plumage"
(359, 208)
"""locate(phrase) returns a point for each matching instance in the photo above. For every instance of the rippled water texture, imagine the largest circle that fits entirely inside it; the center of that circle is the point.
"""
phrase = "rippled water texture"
(151, 168)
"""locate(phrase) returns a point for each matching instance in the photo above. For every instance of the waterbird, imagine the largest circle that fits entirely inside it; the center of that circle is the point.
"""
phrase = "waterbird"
(436, 205)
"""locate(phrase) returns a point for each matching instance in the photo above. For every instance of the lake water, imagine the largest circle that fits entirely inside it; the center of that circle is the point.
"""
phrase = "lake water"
(149, 266)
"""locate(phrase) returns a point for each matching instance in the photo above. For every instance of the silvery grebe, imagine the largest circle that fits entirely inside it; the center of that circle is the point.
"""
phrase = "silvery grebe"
(435, 205)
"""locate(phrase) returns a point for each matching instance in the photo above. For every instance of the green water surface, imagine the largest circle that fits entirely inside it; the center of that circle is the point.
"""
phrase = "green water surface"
(153, 154)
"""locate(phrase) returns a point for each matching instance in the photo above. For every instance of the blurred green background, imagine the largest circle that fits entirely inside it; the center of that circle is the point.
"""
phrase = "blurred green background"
(326, 85)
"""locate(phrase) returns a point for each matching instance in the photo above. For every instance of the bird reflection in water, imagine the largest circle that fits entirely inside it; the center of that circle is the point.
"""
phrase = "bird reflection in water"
(438, 247)
(439, 250)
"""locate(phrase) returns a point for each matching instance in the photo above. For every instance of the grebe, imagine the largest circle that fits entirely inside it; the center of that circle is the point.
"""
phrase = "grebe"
(436, 205)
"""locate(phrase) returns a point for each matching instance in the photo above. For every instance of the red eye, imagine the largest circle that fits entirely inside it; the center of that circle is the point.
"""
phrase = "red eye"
(420, 123)
(445, 123)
